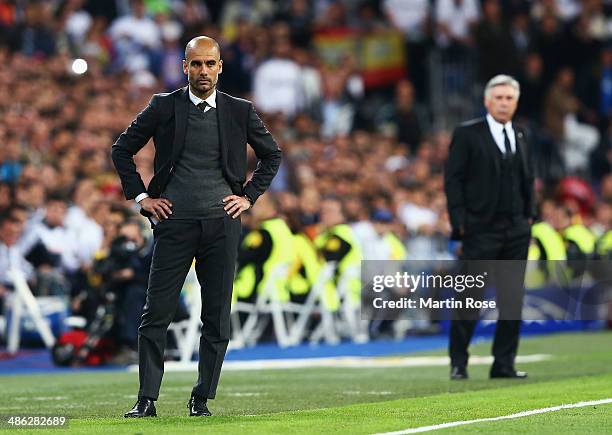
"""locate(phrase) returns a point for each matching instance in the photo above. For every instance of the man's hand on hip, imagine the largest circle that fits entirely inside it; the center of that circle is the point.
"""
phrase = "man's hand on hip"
(234, 205)
(160, 208)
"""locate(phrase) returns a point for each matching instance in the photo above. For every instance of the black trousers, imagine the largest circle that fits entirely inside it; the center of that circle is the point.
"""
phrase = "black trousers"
(214, 245)
(501, 239)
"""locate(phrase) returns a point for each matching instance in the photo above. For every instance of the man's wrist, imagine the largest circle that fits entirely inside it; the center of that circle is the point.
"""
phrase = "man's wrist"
(141, 197)
(248, 199)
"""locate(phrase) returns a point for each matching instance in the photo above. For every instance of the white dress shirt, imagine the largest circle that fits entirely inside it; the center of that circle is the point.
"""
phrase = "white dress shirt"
(277, 87)
(211, 102)
(497, 131)
(61, 241)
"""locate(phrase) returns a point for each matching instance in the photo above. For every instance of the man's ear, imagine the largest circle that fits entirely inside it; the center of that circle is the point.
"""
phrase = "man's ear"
(220, 66)
(185, 67)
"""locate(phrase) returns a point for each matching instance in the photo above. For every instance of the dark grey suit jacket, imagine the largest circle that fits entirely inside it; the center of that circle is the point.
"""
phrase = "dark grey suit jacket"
(472, 175)
(165, 120)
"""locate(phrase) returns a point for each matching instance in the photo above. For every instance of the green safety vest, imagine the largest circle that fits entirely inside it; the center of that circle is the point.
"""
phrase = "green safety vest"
(306, 256)
(283, 252)
(604, 245)
(398, 250)
(552, 243)
(352, 259)
(581, 236)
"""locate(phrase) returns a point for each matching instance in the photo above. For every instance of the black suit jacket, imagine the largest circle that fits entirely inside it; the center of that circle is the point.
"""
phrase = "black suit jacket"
(165, 120)
(472, 175)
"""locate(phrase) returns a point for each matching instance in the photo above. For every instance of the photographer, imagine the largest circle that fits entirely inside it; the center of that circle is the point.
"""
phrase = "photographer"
(124, 273)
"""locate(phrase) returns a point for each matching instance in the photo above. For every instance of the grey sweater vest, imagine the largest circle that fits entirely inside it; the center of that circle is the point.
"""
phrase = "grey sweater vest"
(197, 185)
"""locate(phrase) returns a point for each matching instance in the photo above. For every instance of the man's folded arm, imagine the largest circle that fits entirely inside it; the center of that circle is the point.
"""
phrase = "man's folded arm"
(128, 144)
(268, 153)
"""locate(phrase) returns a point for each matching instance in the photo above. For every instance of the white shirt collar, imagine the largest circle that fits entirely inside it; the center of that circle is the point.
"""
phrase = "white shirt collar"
(493, 124)
(497, 131)
(211, 100)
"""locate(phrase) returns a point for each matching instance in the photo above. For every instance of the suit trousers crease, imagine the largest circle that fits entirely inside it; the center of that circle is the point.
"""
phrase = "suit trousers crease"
(214, 245)
(500, 241)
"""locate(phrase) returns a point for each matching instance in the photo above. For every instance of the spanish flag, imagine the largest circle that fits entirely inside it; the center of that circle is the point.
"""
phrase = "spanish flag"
(380, 55)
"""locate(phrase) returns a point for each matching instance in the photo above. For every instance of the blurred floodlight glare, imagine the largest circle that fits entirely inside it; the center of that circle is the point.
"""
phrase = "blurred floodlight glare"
(79, 66)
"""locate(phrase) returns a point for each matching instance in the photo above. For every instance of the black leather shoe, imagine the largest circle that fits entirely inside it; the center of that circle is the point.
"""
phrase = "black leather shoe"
(507, 374)
(458, 373)
(197, 407)
(143, 408)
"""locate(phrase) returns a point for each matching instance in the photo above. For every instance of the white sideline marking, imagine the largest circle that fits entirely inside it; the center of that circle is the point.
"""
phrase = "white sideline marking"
(503, 417)
(342, 362)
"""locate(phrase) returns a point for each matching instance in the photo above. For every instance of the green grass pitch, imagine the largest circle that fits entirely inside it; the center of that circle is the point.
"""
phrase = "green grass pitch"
(350, 401)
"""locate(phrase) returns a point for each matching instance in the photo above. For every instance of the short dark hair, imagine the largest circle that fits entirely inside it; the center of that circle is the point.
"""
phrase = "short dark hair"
(57, 196)
(7, 216)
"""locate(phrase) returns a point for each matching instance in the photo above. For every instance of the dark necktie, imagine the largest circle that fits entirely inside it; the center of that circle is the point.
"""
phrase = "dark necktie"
(202, 106)
(507, 144)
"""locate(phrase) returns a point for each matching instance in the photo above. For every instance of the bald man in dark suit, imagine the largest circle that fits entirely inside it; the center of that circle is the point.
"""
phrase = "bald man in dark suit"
(194, 202)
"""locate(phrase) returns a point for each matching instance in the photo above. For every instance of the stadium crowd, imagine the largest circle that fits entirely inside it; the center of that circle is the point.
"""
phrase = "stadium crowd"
(357, 133)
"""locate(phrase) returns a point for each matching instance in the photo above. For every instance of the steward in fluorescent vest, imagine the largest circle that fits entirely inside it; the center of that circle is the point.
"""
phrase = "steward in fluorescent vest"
(338, 243)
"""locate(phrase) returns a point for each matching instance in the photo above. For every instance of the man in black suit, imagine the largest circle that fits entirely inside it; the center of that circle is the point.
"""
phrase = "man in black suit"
(194, 202)
(489, 188)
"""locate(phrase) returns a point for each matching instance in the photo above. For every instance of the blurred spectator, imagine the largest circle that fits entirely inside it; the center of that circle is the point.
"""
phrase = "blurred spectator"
(548, 41)
(55, 236)
(415, 213)
(409, 130)
(136, 37)
(311, 81)
(299, 16)
(337, 242)
(10, 155)
(12, 254)
(412, 18)
(496, 48)
(31, 195)
(80, 223)
(582, 48)
(277, 84)
(521, 31)
(239, 61)
(342, 88)
(258, 254)
(192, 12)
(172, 53)
(454, 22)
(76, 20)
(258, 12)
(561, 112)
(22, 253)
(533, 88)
(34, 36)
(331, 16)
(96, 44)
